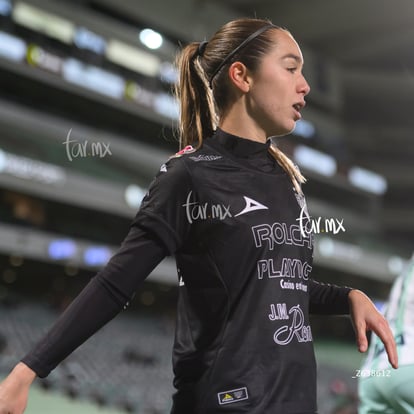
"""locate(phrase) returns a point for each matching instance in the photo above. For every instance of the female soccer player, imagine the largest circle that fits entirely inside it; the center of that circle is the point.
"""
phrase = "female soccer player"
(227, 207)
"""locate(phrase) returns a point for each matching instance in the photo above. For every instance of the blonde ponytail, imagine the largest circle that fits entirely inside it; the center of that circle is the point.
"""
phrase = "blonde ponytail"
(286, 163)
(198, 118)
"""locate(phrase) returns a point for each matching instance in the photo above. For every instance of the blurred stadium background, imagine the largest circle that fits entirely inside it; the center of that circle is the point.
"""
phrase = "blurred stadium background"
(86, 118)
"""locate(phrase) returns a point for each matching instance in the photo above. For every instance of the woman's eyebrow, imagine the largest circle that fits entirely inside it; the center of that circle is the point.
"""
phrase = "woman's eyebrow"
(293, 56)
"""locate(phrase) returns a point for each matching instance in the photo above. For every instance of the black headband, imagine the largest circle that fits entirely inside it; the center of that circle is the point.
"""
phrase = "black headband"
(240, 46)
(202, 47)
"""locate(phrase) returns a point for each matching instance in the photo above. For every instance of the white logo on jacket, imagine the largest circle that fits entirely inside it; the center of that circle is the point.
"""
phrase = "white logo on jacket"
(204, 211)
(296, 329)
(251, 205)
(203, 157)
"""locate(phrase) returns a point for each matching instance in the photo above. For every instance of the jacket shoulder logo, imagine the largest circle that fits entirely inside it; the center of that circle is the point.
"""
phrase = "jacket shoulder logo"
(187, 150)
(204, 157)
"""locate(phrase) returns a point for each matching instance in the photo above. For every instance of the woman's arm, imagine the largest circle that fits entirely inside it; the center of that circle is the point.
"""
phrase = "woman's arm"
(14, 390)
(328, 299)
(102, 299)
(335, 300)
(365, 317)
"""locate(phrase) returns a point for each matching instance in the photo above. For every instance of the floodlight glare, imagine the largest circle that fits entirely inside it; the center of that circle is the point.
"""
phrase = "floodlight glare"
(150, 38)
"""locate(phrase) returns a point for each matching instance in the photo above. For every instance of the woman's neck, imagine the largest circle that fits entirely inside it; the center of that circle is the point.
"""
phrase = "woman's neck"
(237, 122)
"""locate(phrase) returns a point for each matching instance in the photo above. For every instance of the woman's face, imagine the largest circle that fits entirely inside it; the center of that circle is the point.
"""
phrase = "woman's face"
(278, 87)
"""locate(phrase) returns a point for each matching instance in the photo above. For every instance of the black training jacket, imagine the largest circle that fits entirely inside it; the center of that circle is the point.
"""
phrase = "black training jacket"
(230, 215)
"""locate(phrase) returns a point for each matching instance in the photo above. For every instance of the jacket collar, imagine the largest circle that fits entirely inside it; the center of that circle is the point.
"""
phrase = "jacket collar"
(240, 147)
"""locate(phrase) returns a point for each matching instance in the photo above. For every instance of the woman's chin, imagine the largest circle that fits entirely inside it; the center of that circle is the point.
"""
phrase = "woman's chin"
(283, 130)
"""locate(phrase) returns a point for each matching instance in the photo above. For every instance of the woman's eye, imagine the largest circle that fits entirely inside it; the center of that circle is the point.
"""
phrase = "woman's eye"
(292, 70)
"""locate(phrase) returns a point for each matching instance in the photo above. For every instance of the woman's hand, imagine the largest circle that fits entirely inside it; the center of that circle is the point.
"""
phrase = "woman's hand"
(14, 390)
(365, 317)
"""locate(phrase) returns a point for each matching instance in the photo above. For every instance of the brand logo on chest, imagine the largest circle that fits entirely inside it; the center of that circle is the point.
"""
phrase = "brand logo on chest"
(218, 211)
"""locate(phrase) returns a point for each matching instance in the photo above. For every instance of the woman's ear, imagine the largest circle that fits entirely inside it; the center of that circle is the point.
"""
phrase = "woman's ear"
(239, 76)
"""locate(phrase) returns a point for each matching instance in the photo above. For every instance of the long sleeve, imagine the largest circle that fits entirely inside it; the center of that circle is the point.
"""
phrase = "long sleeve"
(107, 293)
(328, 299)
